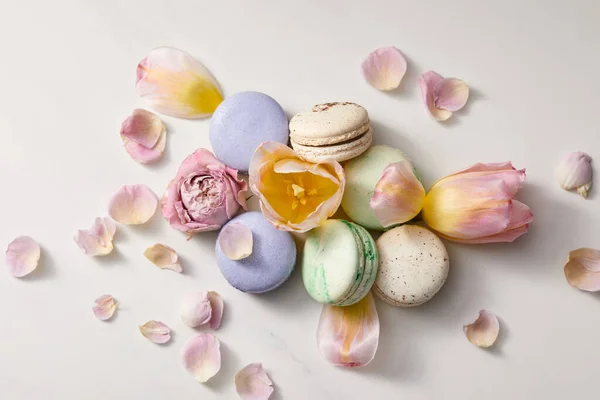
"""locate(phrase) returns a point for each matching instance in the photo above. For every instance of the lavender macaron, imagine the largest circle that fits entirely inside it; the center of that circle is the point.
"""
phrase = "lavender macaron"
(271, 262)
(241, 123)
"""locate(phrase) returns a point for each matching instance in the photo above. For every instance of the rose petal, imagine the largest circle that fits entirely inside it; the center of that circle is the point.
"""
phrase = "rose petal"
(398, 196)
(253, 383)
(163, 257)
(144, 155)
(22, 256)
(582, 270)
(589, 258)
(483, 332)
(176, 84)
(202, 356)
(384, 68)
(196, 309)
(133, 205)
(428, 81)
(349, 336)
(156, 332)
(450, 94)
(216, 304)
(104, 307)
(235, 241)
(575, 172)
(142, 127)
(97, 241)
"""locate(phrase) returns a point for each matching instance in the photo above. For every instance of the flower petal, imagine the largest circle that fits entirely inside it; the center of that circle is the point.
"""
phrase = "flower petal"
(156, 332)
(133, 205)
(216, 305)
(384, 68)
(104, 307)
(142, 127)
(428, 81)
(582, 270)
(588, 258)
(22, 256)
(176, 84)
(163, 256)
(253, 383)
(450, 94)
(349, 336)
(483, 332)
(398, 196)
(512, 177)
(575, 172)
(196, 309)
(236, 241)
(97, 241)
(202, 356)
(145, 155)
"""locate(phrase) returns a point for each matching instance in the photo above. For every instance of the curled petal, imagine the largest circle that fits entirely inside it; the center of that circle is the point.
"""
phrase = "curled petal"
(236, 241)
(384, 68)
(22, 256)
(428, 81)
(176, 84)
(202, 356)
(156, 332)
(163, 256)
(588, 258)
(582, 270)
(349, 336)
(575, 173)
(97, 241)
(133, 205)
(196, 309)
(253, 383)
(450, 94)
(398, 196)
(483, 332)
(144, 136)
(104, 307)
(216, 305)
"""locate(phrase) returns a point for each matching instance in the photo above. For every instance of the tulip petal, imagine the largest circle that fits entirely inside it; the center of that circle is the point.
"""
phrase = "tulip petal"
(428, 81)
(216, 305)
(196, 309)
(104, 307)
(22, 256)
(398, 196)
(384, 68)
(588, 258)
(575, 172)
(133, 205)
(202, 356)
(349, 336)
(512, 177)
(163, 256)
(450, 94)
(483, 332)
(253, 383)
(156, 332)
(97, 241)
(235, 241)
(582, 270)
(176, 84)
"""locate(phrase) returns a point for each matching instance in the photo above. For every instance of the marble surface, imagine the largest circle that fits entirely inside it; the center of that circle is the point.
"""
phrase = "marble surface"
(67, 81)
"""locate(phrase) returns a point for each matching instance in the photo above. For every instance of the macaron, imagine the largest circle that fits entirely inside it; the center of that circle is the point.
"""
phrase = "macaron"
(362, 175)
(331, 131)
(270, 263)
(413, 266)
(241, 123)
(339, 263)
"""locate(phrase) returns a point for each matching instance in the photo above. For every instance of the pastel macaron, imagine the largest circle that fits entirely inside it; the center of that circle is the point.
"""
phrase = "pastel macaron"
(331, 131)
(270, 263)
(339, 263)
(241, 123)
(413, 266)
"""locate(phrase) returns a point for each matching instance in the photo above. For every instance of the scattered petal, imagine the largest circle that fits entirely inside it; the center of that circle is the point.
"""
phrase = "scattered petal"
(384, 68)
(582, 270)
(202, 356)
(133, 205)
(349, 336)
(97, 241)
(575, 173)
(196, 309)
(22, 256)
(156, 332)
(253, 383)
(144, 136)
(450, 94)
(176, 84)
(428, 81)
(216, 304)
(104, 307)
(163, 256)
(483, 332)
(235, 241)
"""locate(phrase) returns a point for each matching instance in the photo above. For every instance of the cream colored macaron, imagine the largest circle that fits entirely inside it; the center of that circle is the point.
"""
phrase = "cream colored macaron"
(331, 131)
(413, 266)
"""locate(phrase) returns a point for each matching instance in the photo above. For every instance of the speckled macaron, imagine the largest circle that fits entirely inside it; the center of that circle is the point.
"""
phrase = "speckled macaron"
(241, 123)
(339, 263)
(271, 262)
(413, 266)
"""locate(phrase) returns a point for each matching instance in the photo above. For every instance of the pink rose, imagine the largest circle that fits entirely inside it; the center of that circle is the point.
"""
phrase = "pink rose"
(204, 194)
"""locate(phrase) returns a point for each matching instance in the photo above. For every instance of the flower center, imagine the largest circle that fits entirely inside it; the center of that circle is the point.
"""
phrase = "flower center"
(299, 193)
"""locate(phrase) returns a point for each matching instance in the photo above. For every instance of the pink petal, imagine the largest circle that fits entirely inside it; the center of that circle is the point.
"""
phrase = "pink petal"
(22, 256)
(588, 258)
(483, 332)
(216, 304)
(512, 177)
(104, 307)
(156, 332)
(575, 173)
(133, 205)
(202, 356)
(349, 336)
(428, 81)
(450, 94)
(196, 309)
(582, 270)
(235, 241)
(97, 241)
(142, 127)
(398, 195)
(384, 68)
(163, 257)
(253, 383)
(143, 154)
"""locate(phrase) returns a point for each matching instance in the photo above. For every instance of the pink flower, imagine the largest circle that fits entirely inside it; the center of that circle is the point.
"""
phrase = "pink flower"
(204, 194)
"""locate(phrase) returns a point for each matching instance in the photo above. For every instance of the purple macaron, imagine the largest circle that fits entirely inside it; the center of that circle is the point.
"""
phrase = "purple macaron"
(271, 262)
(241, 123)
